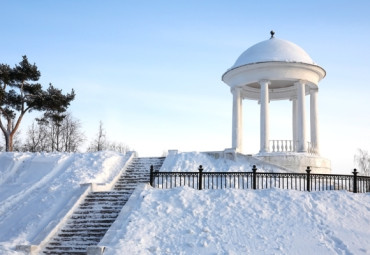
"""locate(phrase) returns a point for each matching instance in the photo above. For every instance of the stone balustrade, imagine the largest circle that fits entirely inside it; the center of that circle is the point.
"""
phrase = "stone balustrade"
(282, 146)
(289, 146)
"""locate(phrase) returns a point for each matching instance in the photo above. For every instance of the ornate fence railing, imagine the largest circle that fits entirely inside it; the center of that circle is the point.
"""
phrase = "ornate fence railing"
(260, 180)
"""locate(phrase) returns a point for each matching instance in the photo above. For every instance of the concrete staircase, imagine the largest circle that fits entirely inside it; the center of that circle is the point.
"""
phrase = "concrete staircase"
(94, 216)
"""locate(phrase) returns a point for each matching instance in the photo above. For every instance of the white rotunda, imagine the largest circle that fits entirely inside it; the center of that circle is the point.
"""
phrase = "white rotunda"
(277, 69)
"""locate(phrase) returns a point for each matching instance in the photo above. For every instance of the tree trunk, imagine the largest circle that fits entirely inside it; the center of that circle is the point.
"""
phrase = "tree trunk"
(8, 136)
(7, 142)
(10, 142)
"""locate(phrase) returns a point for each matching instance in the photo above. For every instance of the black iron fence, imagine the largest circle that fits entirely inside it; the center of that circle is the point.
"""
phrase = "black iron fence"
(260, 180)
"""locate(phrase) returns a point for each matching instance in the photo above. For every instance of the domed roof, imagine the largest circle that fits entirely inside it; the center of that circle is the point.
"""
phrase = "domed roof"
(273, 50)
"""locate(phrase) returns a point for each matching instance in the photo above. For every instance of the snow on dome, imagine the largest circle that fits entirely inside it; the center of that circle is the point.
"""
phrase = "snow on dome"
(272, 50)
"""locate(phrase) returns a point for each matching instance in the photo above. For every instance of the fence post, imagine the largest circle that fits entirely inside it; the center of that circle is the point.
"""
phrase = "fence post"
(200, 184)
(151, 175)
(254, 180)
(308, 170)
(355, 180)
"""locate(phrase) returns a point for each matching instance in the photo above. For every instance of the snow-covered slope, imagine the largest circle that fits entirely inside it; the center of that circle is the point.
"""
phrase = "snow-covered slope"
(190, 161)
(188, 221)
(36, 190)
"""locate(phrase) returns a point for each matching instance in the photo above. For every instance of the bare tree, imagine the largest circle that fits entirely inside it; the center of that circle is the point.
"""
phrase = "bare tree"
(119, 147)
(63, 135)
(362, 160)
(37, 138)
(72, 137)
(100, 142)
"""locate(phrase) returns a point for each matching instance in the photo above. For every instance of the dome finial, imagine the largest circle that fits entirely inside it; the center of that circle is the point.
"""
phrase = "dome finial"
(272, 34)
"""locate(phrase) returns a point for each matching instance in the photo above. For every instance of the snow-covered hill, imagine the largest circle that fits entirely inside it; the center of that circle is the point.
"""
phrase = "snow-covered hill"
(188, 221)
(36, 190)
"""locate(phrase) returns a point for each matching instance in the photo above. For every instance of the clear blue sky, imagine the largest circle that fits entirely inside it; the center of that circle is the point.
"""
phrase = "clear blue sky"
(151, 70)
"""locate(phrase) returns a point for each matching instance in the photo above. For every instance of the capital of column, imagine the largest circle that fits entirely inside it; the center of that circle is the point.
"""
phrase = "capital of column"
(314, 90)
(264, 81)
(237, 90)
(300, 82)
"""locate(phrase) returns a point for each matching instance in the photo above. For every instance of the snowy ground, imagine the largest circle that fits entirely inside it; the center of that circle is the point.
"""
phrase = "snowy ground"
(36, 189)
(190, 161)
(188, 221)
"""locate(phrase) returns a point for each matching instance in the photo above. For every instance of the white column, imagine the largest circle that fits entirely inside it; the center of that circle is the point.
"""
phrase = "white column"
(314, 121)
(237, 120)
(264, 118)
(301, 117)
(240, 123)
(294, 123)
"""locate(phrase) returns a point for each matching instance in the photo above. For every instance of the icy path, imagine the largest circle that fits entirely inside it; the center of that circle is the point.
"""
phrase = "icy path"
(187, 221)
(36, 190)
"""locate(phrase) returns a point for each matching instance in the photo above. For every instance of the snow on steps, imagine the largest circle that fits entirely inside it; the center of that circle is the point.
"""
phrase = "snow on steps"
(43, 237)
(94, 216)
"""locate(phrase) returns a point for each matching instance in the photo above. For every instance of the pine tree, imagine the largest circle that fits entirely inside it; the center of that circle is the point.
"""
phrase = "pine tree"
(19, 94)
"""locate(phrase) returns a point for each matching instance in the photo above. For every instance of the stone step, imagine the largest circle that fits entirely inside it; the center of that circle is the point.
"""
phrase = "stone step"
(116, 196)
(105, 192)
(101, 203)
(106, 200)
(82, 234)
(133, 178)
(97, 211)
(126, 187)
(70, 252)
(93, 221)
(66, 249)
(76, 243)
(133, 181)
(129, 184)
(84, 230)
(74, 239)
(89, 225)
(101, 207)
(101, 216)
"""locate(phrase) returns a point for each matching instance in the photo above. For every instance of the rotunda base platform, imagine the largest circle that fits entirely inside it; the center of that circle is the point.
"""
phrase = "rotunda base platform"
(298, 162)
